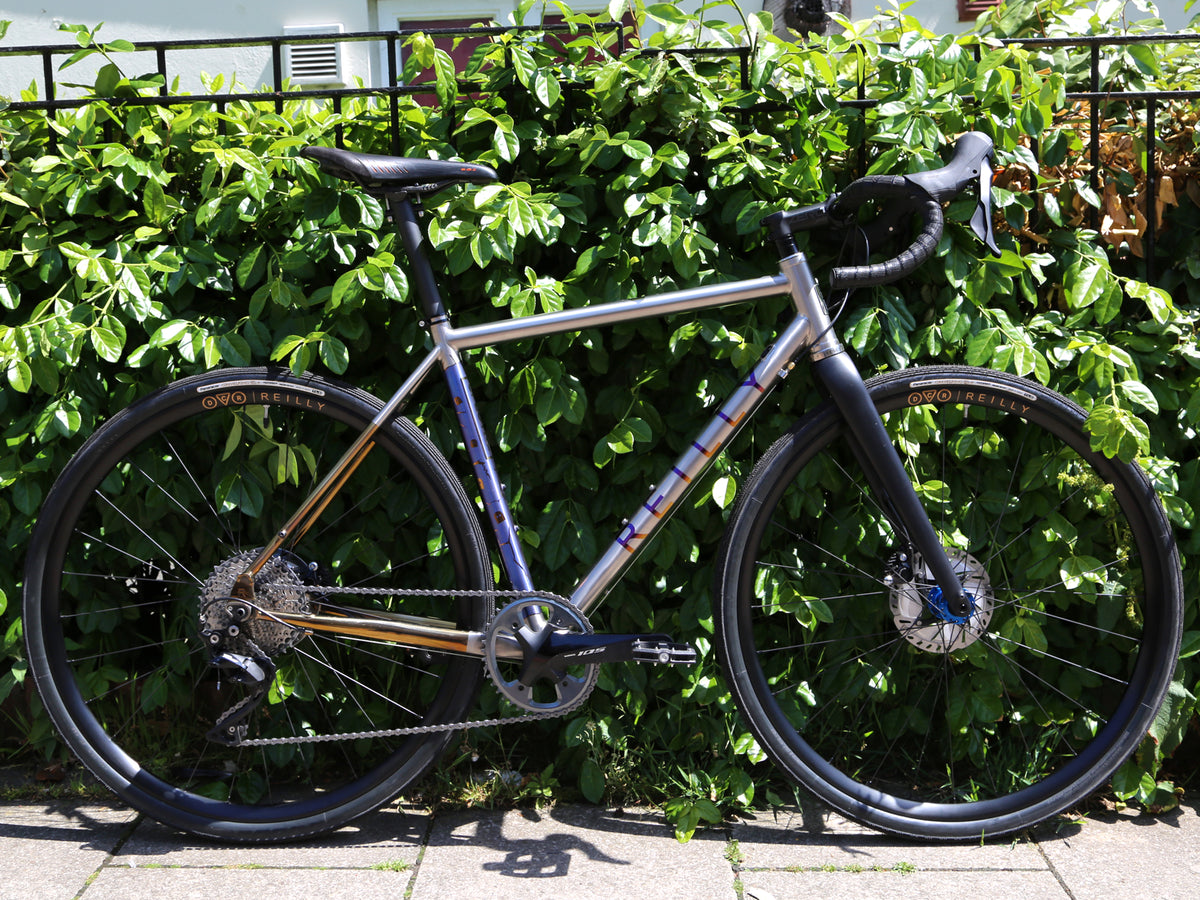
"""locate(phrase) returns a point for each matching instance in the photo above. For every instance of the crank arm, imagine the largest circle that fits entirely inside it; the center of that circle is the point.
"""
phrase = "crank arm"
(597, 648)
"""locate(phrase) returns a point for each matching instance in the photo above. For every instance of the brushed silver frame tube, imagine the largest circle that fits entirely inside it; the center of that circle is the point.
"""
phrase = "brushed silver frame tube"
(654, 306)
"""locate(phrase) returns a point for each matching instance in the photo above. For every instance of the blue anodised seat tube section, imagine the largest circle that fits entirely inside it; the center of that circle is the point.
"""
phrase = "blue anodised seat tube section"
(484, 466)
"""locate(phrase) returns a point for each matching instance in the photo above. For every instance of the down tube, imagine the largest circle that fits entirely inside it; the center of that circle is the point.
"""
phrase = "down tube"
(688, 469)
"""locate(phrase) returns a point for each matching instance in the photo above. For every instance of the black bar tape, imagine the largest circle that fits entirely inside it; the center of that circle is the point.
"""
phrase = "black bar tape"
(882, 187)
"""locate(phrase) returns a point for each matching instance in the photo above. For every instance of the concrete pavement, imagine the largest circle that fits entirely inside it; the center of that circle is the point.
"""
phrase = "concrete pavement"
(90, 851)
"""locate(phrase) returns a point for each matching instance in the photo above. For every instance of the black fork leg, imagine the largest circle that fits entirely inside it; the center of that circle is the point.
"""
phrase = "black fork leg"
(886, 473)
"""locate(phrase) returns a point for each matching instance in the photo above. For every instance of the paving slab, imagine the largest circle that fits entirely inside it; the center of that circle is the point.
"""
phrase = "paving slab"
(1123, 855)
(203, 883)
(51, 850)
(59, 851)
(393, 835)
(580, 853)
(942, 885)
(810, 838)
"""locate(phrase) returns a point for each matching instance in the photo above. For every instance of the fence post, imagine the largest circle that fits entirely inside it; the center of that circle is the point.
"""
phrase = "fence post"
(1094, 149)
(1151, 190)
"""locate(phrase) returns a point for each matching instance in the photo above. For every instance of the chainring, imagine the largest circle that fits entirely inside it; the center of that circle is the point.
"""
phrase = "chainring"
(568, 689)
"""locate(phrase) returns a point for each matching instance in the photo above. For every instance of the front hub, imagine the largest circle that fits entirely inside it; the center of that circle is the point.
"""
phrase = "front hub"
(920, 610)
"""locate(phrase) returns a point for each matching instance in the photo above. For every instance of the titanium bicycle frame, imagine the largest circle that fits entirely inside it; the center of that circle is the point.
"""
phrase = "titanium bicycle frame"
(810, 329)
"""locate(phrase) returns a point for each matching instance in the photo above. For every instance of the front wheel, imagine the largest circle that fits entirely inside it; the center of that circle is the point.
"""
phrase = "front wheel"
(866, 689)
(133, 558)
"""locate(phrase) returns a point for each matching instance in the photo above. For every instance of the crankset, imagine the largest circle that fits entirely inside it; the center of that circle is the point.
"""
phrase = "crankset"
(559, 653)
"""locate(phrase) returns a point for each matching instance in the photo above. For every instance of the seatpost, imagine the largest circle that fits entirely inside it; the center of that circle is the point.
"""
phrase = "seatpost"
(412, 237)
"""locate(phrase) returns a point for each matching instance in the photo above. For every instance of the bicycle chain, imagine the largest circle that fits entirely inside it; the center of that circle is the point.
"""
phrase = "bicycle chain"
(424, 729)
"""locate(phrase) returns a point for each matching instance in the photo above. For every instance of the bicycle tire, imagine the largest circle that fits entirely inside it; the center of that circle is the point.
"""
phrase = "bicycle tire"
(880, 704)
(156, 514)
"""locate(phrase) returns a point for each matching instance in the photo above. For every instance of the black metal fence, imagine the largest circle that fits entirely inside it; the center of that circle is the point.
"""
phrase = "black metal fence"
(1096, 96)
(275, 92)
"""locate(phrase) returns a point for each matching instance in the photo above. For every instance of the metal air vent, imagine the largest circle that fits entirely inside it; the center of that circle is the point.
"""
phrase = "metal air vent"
(317, 63)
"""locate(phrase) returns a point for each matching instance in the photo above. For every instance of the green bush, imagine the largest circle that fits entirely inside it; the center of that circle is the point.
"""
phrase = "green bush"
(139, 244)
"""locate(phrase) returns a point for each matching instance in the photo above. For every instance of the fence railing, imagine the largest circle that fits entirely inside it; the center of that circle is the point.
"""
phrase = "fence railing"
(276, 91)
(1095, 96)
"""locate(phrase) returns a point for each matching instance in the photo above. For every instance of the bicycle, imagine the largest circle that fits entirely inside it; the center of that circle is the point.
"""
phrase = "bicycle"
(936, 606)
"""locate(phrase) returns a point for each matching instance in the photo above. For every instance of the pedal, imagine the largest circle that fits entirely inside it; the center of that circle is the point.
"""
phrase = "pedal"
(664, 653)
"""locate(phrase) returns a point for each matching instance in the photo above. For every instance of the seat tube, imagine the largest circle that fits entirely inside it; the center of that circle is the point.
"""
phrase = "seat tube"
(483, 464)
(499, 514)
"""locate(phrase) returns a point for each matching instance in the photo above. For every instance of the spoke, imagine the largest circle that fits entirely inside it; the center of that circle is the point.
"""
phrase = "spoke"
(1074, 623)
(143, 533)
(340, 675)
(103, 542)
(163, 601)
(1053, 688)
(359, 645)
(106, 654)
(1059, 659)
(828, 642)
(851, 570)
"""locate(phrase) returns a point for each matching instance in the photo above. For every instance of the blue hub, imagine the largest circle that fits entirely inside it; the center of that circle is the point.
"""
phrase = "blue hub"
(936, 601)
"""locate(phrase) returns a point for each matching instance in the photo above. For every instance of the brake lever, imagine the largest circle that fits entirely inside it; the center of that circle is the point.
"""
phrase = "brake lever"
(981, 219)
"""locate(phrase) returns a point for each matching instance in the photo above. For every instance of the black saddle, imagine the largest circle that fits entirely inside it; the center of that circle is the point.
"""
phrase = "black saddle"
(397, 174)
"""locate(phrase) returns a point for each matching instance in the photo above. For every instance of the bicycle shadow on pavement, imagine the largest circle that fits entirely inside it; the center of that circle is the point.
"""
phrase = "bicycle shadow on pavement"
(523, 843)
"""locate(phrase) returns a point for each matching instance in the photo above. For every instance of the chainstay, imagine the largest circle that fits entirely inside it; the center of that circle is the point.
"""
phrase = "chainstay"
(420, 729)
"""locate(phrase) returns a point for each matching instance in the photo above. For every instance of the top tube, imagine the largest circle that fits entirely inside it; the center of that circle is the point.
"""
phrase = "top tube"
(655, 305)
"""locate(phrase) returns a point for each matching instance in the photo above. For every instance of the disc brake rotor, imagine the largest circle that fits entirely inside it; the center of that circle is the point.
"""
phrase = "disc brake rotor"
(928, 626)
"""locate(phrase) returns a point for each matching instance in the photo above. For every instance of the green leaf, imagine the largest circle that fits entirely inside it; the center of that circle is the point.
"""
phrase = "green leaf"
(591, 780)
(546, 88)
(724, 489)
(10, 295)
(234, 349)
(106, 342)
(20, 376)
(252, 266)
(1085, 281)
(447, 77)
(636, 149)
(508, 145)
(155, 202)
(523, 64)
(334, 354)
(1138, 393)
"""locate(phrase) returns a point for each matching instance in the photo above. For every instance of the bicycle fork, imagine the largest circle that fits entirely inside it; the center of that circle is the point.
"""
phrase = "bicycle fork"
(871, 444)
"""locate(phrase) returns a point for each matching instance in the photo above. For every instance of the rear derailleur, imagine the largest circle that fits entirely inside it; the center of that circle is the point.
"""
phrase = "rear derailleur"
(237, 658)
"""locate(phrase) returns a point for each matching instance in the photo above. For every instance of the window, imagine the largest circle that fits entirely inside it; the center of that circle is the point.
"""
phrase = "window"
(970, 10)
(460, 46)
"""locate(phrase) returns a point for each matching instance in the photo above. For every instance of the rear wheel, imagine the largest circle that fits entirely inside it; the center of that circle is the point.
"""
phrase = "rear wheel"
(140, 541)
(861, 684)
